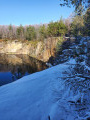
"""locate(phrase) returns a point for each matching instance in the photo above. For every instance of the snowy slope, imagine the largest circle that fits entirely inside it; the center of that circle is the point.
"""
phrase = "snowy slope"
(40, 96)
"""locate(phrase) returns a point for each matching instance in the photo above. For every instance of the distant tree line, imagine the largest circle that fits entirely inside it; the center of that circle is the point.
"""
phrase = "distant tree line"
(17, 32)
(76, 25)
(53, 29)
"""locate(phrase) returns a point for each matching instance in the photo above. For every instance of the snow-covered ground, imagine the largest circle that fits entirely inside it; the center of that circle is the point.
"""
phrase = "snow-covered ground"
(44, 95)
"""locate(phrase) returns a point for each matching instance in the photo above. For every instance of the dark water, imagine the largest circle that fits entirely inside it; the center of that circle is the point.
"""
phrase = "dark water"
(13, 67)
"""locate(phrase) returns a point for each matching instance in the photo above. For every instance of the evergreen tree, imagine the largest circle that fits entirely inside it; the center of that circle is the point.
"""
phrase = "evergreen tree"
(76, 3)
(77, 25)
(10, 32)
(87, 22)
(42, 32)
(56, 28)
(30, 33)
(20, 32)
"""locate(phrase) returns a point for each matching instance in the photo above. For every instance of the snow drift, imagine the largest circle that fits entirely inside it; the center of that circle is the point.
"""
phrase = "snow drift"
(52, 94)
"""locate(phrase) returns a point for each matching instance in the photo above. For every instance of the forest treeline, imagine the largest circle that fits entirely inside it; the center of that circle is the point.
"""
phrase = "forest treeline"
(36, 32)
(75, 25)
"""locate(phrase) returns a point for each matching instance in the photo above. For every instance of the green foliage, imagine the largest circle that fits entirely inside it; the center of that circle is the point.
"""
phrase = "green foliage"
(87, 22)
(59, 44)
(34, 43)
(10, 27)
(38, 32)
(10, 35)
(51, 29)
(20, 32)
(43, 32)
(56, 29)
(77, 25)
(62, 29)
(76, 4)
(81, 24)
(30, 33)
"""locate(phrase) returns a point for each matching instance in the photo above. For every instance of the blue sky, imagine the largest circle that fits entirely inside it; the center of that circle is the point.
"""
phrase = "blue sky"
(31, 11)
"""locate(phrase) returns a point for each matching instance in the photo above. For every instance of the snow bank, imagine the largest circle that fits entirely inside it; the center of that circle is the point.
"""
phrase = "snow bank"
(40, 96)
